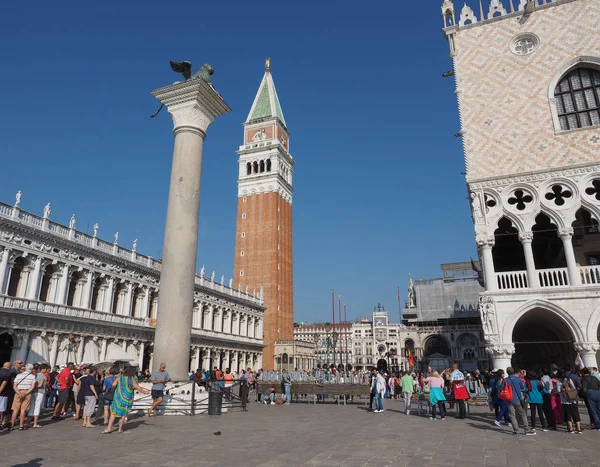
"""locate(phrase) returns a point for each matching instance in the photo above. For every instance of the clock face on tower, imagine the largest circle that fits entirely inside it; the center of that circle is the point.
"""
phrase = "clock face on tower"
(380, 322)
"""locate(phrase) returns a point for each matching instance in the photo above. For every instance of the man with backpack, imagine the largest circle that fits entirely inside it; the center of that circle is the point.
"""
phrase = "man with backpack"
(513, 385)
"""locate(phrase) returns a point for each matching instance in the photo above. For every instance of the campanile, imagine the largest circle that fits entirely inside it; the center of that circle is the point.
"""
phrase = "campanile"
(263, 247)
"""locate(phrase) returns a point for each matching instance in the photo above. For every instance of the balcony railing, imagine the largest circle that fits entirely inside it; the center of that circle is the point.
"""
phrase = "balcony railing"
(65, 310)
(548, 278)
(557, 277)
(511, 280)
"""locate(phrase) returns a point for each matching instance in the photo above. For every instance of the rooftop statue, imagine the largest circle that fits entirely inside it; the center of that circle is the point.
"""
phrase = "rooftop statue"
(185, 68)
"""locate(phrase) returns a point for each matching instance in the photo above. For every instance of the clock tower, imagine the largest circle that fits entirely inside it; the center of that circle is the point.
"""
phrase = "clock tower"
(263, 247)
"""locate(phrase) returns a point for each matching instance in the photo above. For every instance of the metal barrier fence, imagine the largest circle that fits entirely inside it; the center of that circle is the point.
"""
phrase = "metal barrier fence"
(319, 377)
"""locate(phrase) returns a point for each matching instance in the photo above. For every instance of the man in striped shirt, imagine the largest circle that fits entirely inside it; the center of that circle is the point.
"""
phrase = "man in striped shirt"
(23, 385)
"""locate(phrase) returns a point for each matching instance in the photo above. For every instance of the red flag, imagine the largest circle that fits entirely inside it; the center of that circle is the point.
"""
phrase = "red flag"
(411, 359)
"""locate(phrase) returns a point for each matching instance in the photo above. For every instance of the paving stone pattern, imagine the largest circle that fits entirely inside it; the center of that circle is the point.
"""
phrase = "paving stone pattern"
(300, 434)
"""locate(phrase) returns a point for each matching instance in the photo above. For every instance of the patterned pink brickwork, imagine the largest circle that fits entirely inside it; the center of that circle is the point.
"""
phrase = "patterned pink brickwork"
(505, 110)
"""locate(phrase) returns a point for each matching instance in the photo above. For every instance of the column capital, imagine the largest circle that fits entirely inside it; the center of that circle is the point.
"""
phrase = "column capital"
(501, 350)
(485, 241)
(526, 237)
(193, 104)
(565, 232)
(586, 348)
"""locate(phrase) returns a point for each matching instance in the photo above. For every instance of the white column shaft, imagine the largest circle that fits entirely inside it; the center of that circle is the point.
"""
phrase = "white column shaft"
(3, 269)
(33, 290)
(574, 278)
(63, 285)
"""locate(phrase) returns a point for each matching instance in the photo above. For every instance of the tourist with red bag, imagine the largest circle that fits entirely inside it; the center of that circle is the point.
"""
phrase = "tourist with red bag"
(460, 390)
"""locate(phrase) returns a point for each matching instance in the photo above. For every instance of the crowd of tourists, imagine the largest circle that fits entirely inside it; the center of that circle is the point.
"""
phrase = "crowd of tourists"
(517, 397)
(75, 392)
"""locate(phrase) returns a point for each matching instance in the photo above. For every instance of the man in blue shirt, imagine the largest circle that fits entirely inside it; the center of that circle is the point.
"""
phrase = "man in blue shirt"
(516, 407)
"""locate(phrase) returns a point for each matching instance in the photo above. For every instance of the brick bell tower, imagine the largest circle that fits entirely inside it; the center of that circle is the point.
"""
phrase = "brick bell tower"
(263, 247)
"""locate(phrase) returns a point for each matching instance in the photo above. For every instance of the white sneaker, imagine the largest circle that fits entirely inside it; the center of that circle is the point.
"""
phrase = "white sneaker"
(264, 402)
(408, 412)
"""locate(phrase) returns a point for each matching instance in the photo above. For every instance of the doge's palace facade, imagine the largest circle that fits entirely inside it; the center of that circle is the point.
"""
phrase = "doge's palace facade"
(528, 87)
(69, 296)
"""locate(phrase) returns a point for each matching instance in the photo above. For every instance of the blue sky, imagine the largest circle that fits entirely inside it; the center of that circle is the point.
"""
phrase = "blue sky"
(379, 190)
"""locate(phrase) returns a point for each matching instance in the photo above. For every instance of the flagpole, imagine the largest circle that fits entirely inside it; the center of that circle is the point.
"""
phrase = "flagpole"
(333, 323)
(340, 316)
(346, 334)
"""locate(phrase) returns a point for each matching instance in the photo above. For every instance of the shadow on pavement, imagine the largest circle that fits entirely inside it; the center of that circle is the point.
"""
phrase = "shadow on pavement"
(32, 463)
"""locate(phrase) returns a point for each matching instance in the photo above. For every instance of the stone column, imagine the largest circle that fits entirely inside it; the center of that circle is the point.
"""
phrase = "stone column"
(63, 285)
(501, 355)
(127, 308)
(103, 349)
(206, 364)
(486, 243)
(4, 268)
(217, 322)
(210, 318)
(259, 361)
(566, 234)
(243, 325)
(54, 349)
(87, 292)
(532, 279)
(587, 352)
(226, 360)
(34, 282)
(80, 349)
(24, 349)
(198, 358)
(141, 355)
(146, 306)
(107, 298)
(193, 104)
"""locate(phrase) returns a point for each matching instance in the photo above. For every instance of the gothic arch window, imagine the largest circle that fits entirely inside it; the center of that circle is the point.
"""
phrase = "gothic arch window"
(577, 99)
(248, 168)
(469, 354)
(268, 165)
(262, 166)
(255, 167)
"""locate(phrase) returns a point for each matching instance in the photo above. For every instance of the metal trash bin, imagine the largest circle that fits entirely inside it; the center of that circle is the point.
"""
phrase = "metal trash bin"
(215, 402)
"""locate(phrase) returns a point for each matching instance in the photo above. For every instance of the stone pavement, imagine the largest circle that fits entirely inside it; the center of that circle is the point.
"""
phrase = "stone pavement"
(299, 434)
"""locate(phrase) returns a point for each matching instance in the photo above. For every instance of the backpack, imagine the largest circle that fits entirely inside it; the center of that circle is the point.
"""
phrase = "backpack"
(569, 391)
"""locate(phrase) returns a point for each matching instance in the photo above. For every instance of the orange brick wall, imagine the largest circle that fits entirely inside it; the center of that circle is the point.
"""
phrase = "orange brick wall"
(267, 260)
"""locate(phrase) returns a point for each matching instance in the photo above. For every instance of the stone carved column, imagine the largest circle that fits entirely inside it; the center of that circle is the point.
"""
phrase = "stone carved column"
(24, 349)
(54, 349)
(141, 355)
(501, 355)
(87, 292)
(146, 306)
(79, 357)
(532, 279)
(206, 364)
(63, 285)
(4, 269)
(193, 105)
(108, 296)
(486, 243)
(587, 351)
(103, 349)
(34, 282)
(127, 308)
(566, 235)
(259, 361)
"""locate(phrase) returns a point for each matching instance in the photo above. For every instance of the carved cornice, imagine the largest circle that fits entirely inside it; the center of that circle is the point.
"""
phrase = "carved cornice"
(531, 177)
